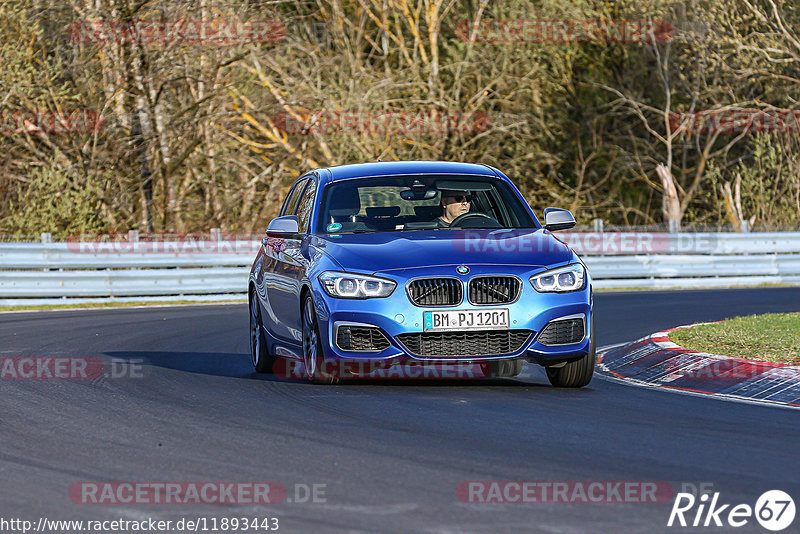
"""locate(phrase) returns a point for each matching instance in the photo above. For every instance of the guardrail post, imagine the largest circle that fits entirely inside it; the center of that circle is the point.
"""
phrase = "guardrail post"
(674, 226)
(746, 226)
(133, 236)
(47, 237)
(216, 234)
(598, 225)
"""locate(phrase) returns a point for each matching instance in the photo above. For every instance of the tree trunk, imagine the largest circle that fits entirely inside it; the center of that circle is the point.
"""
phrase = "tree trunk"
(671, 207)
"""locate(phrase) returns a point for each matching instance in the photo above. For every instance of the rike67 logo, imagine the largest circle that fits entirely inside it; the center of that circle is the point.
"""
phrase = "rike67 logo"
(774, 510)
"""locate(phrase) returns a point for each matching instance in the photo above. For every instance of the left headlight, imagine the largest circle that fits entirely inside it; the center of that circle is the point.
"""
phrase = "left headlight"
(561, 280)
(355, 286)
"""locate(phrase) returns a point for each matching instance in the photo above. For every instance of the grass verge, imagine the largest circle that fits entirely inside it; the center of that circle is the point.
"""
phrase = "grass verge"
(774, 337)
(113, 304)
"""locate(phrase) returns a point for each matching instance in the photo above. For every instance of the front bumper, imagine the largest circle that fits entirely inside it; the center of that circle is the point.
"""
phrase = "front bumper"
(395, 315)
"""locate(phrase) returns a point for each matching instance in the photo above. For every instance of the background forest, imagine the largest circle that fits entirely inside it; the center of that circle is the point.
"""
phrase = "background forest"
(182, 135)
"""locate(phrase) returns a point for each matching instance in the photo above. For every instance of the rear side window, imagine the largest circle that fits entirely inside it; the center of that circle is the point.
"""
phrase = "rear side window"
(290, 205)
(306, 206)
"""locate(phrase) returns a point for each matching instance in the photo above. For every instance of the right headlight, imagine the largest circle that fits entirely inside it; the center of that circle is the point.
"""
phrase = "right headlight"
(561, 280)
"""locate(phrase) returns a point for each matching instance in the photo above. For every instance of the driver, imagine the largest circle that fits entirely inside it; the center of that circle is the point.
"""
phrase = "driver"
(454, 204)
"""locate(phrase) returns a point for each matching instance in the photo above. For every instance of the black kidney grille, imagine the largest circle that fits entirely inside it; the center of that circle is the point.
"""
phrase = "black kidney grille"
(494, 290)
(464, 344)
(562, 332)
(435, 292)
(361, 339)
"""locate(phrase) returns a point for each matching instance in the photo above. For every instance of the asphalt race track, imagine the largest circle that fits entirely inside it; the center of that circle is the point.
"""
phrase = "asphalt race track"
(390, 455)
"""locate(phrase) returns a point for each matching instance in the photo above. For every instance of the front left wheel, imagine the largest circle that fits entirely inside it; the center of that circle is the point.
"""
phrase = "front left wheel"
(574, 374)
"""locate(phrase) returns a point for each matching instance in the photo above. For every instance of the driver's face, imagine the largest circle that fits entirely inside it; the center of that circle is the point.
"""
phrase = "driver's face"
(456, 205)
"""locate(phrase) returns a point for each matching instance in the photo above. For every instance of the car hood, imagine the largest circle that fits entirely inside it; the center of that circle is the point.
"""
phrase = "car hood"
(387, 251)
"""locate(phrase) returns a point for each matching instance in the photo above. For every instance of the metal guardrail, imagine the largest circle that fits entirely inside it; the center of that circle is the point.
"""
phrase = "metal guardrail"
(148, 255)
(37, 273)
(131, 282)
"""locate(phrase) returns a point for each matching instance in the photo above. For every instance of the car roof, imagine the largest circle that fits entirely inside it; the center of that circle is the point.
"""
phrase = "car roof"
(395, 168)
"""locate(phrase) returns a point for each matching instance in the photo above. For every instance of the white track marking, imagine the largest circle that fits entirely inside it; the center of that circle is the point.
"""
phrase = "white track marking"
(638, 383)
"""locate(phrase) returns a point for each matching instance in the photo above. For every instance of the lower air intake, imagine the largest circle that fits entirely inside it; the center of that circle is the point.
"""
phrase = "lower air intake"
(562, 332)
(360, 339)
(464, 344)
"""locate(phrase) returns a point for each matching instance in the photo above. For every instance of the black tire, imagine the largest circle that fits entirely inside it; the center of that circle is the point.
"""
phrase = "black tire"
(259, 355)
(312, 351)
(505, 368)
(574, 374)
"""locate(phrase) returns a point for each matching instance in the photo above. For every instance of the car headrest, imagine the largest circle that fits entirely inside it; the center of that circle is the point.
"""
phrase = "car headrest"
(428, 212)
(341, 215)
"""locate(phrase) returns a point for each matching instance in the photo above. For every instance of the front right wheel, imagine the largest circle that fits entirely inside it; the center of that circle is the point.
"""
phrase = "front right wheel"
(312, 350)
(260, 356)
(505, 368)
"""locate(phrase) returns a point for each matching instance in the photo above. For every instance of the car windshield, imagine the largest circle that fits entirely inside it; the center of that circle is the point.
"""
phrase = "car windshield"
(420, 202)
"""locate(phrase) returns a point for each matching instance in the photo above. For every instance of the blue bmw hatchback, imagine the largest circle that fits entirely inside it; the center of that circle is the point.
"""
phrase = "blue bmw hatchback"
(375, 265)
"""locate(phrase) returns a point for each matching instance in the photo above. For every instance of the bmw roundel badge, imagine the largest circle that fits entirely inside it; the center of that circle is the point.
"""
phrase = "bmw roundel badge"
(462, 269)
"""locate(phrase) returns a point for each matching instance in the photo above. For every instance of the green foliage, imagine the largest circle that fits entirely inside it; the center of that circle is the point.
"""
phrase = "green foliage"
(774, 337)
(190, 139)
(57, 203)
(771, 182)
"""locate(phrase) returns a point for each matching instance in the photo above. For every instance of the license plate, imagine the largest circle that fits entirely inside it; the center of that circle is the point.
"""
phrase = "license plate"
(491, 319)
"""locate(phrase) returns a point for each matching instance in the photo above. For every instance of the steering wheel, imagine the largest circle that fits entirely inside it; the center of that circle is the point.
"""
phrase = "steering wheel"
(484, 222)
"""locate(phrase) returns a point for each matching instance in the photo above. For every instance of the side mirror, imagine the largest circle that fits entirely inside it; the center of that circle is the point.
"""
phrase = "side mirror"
(288, 224)
(558, 219)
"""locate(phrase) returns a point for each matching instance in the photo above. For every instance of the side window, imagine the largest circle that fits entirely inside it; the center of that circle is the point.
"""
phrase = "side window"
(306, 206)
(292, 199)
